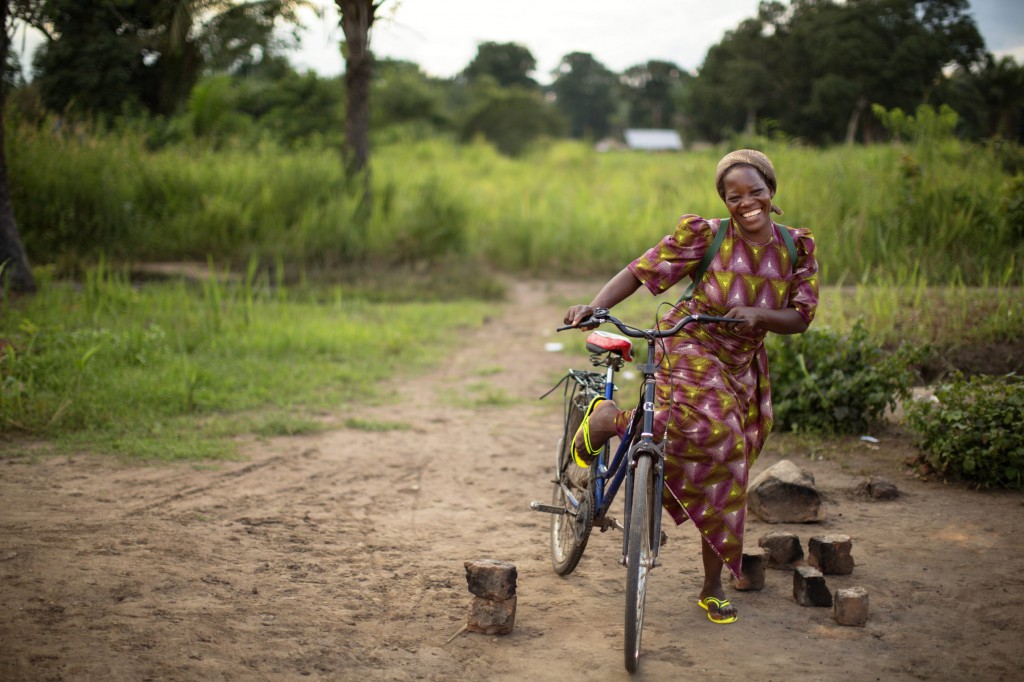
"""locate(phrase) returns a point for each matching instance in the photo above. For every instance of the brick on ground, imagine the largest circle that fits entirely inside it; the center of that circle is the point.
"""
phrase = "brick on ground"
(493, 609)
(809, 588)
(752, 568)
(851, 606)
(784, 549)
(831, 554)
(492, 616)
(491, 579)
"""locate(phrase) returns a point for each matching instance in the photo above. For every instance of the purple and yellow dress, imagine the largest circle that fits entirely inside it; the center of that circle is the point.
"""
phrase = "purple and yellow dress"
(714, 406)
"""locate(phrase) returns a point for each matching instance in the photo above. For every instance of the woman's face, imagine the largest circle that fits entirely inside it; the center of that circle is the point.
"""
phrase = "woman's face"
(749, 200)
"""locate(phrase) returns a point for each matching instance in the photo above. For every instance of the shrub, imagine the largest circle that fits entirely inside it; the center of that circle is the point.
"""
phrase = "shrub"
(973, 429)
(836, 383)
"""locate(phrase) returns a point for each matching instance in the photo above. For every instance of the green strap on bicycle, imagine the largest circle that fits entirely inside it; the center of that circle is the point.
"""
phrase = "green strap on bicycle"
(709, 255)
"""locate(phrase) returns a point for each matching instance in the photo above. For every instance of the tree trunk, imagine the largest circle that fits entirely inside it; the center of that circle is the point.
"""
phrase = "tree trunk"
(14, 267)
(854, 123)
(751, 125)
(356, 19)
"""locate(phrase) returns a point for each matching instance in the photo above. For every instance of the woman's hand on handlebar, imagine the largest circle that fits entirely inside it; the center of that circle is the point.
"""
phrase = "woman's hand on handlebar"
(751, 318)
(784, 321)
(578, 313)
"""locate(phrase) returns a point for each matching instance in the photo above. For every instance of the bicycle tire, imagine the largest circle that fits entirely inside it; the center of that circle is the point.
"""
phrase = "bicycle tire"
(571, 531)
(639, 556)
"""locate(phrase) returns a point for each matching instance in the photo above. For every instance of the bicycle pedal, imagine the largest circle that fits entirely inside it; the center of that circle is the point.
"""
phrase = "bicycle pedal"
(664, 539)
(605, 524)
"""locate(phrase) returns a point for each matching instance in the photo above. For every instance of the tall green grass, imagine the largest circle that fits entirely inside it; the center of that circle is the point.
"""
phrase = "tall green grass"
(173, 370)
(941, 210)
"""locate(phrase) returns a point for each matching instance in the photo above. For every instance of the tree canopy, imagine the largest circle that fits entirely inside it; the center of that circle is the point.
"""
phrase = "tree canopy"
(509, 64)
(104, 56)
(814, 67)
(586, 93)
(807, 69)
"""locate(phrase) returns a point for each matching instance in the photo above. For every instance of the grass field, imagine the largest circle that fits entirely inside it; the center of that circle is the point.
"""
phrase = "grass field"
(300, 309)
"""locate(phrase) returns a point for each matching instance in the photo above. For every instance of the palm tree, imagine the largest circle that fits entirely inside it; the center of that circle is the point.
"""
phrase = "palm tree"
(357, 18)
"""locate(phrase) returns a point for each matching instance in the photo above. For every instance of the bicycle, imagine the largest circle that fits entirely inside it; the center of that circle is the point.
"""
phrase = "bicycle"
(577, 506)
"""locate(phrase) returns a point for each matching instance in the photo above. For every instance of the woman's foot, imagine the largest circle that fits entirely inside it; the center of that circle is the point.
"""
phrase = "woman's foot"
(720, 610)
(712, 595)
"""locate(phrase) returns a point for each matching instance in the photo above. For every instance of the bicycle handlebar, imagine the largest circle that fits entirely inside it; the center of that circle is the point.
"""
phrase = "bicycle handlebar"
(602, 315)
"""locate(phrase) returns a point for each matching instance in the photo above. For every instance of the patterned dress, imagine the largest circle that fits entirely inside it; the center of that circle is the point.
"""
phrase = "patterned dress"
(714, 398)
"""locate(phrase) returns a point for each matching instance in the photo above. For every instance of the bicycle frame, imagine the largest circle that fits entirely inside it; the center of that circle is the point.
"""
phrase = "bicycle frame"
(638, 462)
(610, 475)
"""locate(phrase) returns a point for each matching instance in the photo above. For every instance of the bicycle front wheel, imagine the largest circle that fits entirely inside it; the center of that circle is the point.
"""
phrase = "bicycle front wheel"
(639, 555)
(570, 529)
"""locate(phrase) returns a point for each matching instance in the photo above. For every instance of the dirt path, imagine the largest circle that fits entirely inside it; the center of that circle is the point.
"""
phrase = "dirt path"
(340, 556)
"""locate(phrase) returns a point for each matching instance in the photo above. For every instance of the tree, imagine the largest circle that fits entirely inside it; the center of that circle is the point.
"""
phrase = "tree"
(511, 119)
(989, 98)
(585, 93)
(509, 64)
(402, 94)
(652, 90)
(92, 63)
(815, 68)
(108, 54)
(14, 265)
(357, 17)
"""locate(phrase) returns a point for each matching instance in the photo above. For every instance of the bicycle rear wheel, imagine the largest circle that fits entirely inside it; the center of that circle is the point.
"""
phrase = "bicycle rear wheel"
(639, 555)
(570, 530)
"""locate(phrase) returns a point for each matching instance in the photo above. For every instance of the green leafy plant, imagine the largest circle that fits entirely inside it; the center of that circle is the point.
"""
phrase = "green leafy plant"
(837, 383)
(972, 430)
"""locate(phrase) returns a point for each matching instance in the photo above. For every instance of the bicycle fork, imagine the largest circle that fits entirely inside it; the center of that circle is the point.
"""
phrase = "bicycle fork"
(646, 447)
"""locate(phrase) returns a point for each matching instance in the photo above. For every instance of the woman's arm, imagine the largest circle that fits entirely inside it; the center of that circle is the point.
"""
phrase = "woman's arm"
(785, 321)
(618, 289)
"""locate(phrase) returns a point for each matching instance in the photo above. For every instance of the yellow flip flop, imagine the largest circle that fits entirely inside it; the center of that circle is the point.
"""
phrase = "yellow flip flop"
(719, 605)
(592, 452)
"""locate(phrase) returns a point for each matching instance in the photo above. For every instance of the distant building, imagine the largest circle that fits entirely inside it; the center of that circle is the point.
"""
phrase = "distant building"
(651, 140)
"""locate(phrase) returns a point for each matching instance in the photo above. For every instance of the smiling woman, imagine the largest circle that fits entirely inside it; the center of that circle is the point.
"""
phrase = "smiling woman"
(745, 180)
(714, 406)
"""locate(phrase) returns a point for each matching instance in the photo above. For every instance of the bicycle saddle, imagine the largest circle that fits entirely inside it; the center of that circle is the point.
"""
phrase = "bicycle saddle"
(606, 342)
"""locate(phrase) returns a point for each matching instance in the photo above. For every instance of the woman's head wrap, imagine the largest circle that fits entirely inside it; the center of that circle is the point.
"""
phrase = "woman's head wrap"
(748, 157)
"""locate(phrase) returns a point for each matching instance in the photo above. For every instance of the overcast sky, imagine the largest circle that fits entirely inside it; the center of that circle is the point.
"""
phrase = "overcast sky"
(442, 35)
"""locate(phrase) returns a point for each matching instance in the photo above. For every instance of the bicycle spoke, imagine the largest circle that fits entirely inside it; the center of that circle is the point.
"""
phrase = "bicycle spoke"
(570, 531)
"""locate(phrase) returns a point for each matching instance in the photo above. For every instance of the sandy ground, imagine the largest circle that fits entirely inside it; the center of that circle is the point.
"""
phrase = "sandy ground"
(340, 556)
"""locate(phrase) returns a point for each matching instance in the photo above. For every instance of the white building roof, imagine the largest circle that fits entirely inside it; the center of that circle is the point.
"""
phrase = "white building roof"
(653, 140)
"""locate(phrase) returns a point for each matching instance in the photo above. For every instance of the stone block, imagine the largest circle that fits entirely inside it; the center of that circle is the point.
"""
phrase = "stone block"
(784, 493)
(784, 550)
(491, 616)
(830, 554)
(752, 569)
(809, 588)
(491, 579)
(851, 606)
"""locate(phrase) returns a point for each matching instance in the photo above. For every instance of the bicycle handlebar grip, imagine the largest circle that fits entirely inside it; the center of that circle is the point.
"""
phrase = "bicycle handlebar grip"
(716, 318)
(596, 319)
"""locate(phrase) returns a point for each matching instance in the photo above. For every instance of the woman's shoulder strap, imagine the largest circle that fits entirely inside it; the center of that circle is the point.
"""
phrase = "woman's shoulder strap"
(705, 261)
(787, 237)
